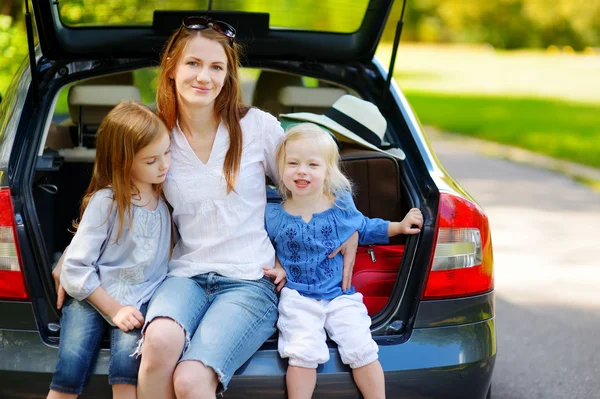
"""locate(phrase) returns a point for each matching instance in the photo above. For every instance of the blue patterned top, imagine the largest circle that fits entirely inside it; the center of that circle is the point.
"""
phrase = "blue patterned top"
(302, 248)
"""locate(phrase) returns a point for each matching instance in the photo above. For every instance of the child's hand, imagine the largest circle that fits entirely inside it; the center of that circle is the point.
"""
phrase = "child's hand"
(128, 318)
(413, 217)
(277, 274)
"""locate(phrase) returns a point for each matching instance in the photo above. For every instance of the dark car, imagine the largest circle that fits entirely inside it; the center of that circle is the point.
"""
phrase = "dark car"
(430, 296)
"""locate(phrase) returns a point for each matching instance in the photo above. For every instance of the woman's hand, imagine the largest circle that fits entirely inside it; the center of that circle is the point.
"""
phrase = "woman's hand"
(348, 250)
(277, 274)
(60, 291)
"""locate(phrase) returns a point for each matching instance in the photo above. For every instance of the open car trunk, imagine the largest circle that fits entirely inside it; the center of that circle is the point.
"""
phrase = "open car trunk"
(65, 164)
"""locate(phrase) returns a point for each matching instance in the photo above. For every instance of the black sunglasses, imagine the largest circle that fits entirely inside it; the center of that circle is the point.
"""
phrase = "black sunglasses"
(201, 23)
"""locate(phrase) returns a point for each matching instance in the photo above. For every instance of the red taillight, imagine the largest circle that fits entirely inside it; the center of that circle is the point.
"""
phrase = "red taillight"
(12, 283)
(463, 263)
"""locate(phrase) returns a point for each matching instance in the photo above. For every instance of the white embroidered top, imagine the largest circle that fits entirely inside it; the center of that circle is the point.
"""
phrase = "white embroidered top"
(220, 232)
(129, 270)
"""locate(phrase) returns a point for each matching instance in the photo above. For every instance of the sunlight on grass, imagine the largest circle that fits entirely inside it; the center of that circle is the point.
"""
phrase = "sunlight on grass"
(537, 100)
(483, 70)
(559, 129)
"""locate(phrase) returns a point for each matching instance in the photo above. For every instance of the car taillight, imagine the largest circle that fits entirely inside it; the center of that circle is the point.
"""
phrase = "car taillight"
(463, 263)
(12, 283)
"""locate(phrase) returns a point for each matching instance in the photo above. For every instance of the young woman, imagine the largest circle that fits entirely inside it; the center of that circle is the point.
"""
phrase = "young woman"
(119, 254)
(216, 308)
(317, 214)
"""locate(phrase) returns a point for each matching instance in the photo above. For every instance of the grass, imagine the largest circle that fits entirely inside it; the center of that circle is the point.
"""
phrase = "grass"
(560, 129)
(544, 102)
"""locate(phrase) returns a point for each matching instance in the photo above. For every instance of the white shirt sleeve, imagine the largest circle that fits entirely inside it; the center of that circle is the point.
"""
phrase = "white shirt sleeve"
(273, 134)
(79, 274)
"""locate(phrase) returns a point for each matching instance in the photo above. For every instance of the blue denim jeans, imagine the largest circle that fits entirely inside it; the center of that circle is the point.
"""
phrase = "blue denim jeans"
(81, 331)
(224, 320)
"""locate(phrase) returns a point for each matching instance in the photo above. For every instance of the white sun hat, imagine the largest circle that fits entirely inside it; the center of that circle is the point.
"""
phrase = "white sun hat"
(352, 120)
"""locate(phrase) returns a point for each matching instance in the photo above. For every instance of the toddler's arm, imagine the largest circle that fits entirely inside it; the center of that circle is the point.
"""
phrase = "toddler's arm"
(414, 217)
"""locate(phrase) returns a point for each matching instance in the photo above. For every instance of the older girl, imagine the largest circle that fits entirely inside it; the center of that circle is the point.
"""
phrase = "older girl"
(119, 254)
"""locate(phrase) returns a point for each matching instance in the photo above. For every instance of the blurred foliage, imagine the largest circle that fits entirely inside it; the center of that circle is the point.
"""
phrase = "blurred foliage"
(332, 15)
(13, 48)
(504, 24)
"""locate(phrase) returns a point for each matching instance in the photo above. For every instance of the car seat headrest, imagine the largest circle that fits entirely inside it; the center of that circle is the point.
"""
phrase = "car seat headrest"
(88, 105)
(314, 98)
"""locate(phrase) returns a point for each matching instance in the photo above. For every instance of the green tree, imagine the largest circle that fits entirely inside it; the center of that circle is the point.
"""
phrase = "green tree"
(13, 40)
(503, 23)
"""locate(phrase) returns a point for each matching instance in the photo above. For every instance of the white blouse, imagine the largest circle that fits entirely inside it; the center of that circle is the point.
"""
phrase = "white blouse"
(220, 232)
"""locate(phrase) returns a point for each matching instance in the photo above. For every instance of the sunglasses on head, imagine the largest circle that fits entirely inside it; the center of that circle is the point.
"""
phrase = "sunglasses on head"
(201, 23)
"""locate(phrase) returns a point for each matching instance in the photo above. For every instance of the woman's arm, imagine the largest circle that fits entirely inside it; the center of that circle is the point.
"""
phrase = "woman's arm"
(60, 291)
(348, 250)
(273, 134)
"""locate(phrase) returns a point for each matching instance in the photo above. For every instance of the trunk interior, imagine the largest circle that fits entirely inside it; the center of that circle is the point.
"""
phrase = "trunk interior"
(65, 166)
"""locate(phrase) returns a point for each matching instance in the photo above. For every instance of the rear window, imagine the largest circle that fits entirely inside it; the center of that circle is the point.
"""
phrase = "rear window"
(342, 16)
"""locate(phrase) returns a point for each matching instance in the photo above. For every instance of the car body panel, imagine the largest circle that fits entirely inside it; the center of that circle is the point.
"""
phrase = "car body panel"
(17, 316)
(426, 365)
(439, 313)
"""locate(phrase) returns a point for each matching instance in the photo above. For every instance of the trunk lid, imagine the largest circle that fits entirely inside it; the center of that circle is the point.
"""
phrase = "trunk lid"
(318, 30)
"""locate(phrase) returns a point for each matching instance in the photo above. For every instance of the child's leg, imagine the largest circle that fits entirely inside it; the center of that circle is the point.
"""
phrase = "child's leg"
(370, 380)
(60, 395)
(302, 340)
(81, 331)
(348, 324)
(124, 391)
(124, 365)
(300, 382)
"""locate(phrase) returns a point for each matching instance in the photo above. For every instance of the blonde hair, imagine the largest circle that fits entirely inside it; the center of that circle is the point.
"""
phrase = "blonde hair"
(335, 181)
(229, 106)
(125, 130)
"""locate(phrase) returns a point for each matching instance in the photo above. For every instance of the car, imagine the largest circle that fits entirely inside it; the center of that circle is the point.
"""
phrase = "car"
(430, 296)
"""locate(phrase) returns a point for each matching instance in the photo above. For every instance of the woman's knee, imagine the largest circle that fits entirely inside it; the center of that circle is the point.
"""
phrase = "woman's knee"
(163, 339)
(192, 379)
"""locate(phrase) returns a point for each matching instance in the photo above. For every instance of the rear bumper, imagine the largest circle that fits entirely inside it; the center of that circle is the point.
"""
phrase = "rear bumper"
(441, 362)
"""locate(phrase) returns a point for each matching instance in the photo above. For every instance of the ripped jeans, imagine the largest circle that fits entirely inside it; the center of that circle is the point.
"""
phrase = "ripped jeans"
(81, 333)
(225, 320)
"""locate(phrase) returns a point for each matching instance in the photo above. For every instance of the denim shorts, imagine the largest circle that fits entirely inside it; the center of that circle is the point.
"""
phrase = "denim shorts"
(82, 329)
(225, 320)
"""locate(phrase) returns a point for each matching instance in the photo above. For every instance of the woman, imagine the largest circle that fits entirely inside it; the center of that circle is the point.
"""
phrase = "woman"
(217, 307)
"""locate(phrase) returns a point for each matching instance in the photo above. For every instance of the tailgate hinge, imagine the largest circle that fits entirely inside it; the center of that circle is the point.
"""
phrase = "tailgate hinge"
(32, 61)
(388, 82)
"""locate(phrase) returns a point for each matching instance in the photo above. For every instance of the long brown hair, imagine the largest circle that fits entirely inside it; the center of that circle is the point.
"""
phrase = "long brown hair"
(228, 104)
(125, 130)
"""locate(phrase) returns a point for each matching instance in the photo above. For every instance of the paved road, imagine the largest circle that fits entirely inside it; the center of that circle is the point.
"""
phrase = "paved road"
(545, 232)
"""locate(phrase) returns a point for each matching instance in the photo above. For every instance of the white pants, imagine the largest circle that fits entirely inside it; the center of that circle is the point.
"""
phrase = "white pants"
(303, 321)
